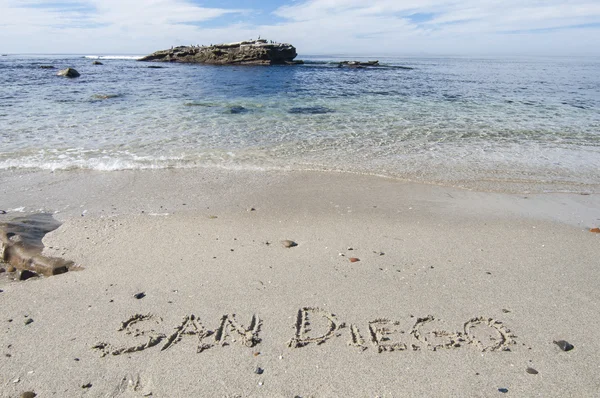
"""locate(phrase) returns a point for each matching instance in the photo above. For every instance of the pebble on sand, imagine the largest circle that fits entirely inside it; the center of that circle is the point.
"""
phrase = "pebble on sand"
(564, 345)
(531, 371)
(288, 243)
(28, 394)
(140, 295)
(596, 230)
(353, 259)
(29, 321)
(503, 390)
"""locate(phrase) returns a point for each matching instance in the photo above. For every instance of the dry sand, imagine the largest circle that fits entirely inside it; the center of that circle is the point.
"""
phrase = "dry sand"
(411, 318)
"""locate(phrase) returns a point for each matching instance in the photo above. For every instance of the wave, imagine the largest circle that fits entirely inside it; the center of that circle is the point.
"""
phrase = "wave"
(132, 57)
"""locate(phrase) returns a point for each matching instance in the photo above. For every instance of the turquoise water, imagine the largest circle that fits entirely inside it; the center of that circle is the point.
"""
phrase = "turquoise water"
(455, 121)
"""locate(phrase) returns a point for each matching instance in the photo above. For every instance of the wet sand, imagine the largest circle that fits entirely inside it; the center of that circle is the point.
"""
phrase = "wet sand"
(456, 293)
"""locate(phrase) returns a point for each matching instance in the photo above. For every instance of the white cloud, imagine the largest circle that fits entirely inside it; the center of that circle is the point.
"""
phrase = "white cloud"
(313, 26)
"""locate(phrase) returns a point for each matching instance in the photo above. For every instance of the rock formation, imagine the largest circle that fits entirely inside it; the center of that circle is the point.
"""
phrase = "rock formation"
(358, 64)
(21, 246)
(253, 52)
(69, 72)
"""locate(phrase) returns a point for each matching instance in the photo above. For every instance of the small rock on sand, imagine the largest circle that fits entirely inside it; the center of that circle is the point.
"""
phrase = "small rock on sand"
(531, 371)
(354, 259)
(28, 394)
(29, 321)
(139, 295)
(564, 345)
(595, 230)
(288, 243)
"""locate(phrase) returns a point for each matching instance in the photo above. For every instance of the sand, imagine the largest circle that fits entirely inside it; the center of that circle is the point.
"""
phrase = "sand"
(456, 293)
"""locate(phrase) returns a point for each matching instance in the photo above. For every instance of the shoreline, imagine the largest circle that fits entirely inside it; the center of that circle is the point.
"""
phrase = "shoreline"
(488, 184)
(435, 265)
(70, 193)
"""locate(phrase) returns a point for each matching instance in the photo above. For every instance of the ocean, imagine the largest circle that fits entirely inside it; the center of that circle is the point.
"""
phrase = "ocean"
(505, 124)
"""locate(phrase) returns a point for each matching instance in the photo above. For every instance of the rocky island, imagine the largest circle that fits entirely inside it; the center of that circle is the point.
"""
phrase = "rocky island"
(252, 52)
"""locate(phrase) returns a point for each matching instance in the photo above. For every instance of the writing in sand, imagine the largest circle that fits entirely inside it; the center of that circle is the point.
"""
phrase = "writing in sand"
(315, 326)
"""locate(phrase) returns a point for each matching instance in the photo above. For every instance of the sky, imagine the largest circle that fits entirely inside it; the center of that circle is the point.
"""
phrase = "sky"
(314, 27)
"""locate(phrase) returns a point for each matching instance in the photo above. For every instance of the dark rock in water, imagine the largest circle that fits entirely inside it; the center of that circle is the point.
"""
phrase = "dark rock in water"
(155, 67)
(26, 274)
(237, 109)
(252, 52)
(21, 245)
(2, 211)
(564, 345)
(104, 96)
(140, 295)
(69, 72)
(354, 64)
(97, 63)
(47, 67)
(5, 55)
(314, 110)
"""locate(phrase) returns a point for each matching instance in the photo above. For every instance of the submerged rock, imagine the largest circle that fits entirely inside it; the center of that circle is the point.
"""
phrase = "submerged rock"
(252, 52)
(237, 109)
(357, 64)
(311, 110)
(105, 96)
(97, 63)
(46, 67)
(69, 72)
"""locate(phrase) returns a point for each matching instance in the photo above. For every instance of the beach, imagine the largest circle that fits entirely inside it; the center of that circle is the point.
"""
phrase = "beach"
(182, 287)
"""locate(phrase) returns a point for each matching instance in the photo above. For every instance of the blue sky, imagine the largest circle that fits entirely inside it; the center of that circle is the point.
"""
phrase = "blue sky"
(376, 27)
